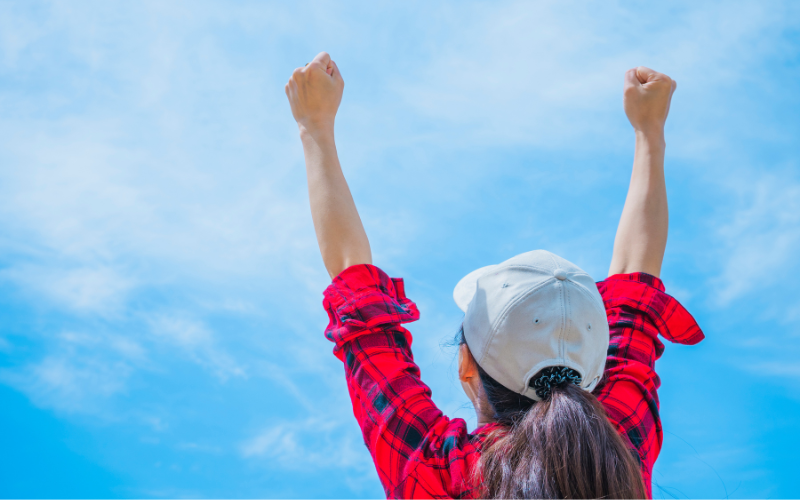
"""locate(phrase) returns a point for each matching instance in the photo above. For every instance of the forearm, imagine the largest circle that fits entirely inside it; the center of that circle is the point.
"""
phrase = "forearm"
(340, 233)
(642, 234)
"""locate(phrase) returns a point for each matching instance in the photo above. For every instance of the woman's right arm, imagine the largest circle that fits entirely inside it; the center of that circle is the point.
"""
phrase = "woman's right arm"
(418, 452)
(642, 233)
(314, 93)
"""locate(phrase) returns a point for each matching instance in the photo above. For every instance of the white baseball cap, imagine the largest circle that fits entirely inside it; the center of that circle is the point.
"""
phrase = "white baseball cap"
(534, 311)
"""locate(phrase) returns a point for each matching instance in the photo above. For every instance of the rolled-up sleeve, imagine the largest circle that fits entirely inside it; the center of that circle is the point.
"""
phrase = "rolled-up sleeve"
(639, 311)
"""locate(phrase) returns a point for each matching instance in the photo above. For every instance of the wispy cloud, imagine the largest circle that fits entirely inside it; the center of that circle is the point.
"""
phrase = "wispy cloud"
(545, 74)
(154, 222)
(98, 290)
(120, 186)
(761, 238)
(313, 442)
(79, 373)
(786, 371)
(197, 341)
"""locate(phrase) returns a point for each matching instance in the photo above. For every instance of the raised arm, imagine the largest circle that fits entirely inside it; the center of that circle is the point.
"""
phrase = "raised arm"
(642, 232)
(314, 93)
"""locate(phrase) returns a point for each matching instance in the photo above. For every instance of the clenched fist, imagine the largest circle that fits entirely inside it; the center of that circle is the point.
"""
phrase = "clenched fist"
(314, 92)
(647, 96)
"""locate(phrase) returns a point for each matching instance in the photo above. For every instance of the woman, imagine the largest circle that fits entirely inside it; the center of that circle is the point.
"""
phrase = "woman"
(560, 370)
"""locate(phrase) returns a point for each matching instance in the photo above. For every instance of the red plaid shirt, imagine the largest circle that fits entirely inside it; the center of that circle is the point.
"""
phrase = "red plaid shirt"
(418, 451)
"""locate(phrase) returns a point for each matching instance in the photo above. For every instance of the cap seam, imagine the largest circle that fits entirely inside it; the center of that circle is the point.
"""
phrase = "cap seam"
(502, 316)
(568, 318)
(601, 311)
(555, 263)
(582, 289)
(557, 266)
(565, 305)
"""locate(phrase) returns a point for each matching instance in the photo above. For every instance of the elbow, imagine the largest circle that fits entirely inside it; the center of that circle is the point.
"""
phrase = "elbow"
(336, 266)
(629, 267)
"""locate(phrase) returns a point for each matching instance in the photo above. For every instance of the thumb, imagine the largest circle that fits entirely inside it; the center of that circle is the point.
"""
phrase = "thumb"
(322, 59)
(333, 70)
(646, 74)
(631, 80)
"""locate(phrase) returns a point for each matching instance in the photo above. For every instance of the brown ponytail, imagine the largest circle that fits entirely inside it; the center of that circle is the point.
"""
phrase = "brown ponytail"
(561, 447)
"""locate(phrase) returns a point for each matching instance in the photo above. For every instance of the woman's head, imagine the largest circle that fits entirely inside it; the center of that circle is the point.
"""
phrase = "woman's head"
(531, 312)
(562, 446)
(533, 347)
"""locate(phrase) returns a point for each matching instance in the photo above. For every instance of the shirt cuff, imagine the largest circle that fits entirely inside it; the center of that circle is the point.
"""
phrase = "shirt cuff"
(363, 298)
(645, 278)
(645, 292)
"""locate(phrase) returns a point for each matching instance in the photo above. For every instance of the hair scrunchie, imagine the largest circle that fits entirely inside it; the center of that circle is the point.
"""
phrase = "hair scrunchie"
(553, 376)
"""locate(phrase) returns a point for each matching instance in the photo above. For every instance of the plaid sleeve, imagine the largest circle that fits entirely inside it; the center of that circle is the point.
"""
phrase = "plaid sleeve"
(417, 451)
(638, 312)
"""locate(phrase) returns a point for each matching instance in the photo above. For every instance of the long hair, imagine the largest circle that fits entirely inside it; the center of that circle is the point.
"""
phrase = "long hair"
(561, 447)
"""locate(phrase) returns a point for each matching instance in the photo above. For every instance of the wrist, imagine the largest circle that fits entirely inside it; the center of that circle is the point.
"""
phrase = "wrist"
(652, 136)
(316, 130)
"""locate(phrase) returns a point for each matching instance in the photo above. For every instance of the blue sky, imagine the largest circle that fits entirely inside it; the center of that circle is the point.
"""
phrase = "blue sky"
(161, 330)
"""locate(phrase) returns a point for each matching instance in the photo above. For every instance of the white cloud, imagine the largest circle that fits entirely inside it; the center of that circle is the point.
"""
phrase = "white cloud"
(760, 238)
(196, 340)
(200, 448)
(90, 290)
(83, 371)
(72, 381)
(312, 442)
(138, 174)
(713, 472)
(153, 186)
(779, 370)
(549, 74)
(136, 168)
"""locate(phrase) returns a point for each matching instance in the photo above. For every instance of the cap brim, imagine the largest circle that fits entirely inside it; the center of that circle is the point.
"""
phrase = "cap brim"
(466, 288)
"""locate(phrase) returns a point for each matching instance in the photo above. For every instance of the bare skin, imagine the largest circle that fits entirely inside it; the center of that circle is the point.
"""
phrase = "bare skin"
(471, 383)
(642, 233)
(314, 93)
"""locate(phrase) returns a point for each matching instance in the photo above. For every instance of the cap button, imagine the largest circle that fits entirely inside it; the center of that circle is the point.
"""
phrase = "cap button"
(560, 274)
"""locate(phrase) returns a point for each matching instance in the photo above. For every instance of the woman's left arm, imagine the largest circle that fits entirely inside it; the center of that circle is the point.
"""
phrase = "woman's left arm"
(314, 93)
